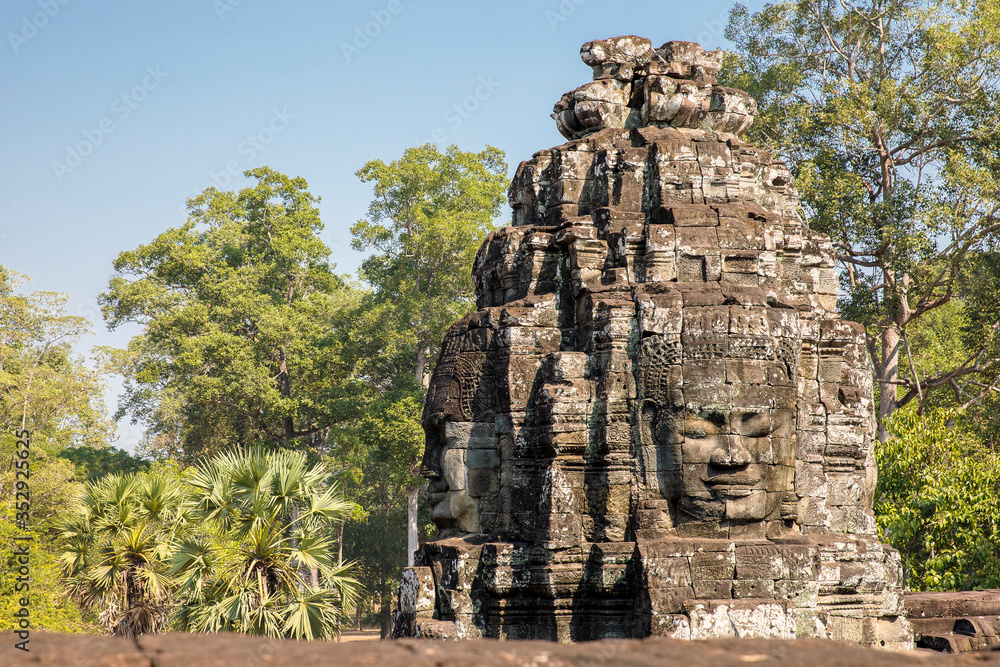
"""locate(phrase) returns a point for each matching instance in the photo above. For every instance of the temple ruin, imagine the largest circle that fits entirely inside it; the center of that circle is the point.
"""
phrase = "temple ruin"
(655, 422)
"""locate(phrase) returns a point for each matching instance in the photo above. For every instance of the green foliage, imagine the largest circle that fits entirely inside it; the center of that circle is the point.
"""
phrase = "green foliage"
(43, 386)
(236, 307)
(389, 436)
(53, 486)
(48, 605)
(228, 545)
(938, 502)
(888, 114)
(92, 463)
(270, 518)
(430, 213)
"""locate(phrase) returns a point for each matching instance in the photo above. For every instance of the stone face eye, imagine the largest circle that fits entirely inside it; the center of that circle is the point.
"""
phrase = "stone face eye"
(717, 419)
(695, 432)
(753, 425)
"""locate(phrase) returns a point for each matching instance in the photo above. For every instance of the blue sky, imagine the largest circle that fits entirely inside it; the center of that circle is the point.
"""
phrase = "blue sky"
(116, 112)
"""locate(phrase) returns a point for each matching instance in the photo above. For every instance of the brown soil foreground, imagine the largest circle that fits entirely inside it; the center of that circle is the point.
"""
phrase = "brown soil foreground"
(184, 650)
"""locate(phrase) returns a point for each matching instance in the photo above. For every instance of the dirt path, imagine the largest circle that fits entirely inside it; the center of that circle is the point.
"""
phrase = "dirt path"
(367, 635)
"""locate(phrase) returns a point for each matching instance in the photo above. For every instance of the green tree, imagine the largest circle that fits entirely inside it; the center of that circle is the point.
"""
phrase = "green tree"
(117, 549)
(266, 567)
(887, 110)
(43, 385)
(429, 215)
(236, 307)
(938, 501)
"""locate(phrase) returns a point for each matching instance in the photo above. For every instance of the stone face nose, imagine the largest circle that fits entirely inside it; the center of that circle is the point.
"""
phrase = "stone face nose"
(430, 464)
(731, 453)
(429, 469)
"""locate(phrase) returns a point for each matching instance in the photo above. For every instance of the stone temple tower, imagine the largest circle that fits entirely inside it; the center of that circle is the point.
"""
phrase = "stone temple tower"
(655, 423)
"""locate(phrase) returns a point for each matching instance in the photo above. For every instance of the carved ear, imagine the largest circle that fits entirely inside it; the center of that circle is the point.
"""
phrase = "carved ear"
(647, 422)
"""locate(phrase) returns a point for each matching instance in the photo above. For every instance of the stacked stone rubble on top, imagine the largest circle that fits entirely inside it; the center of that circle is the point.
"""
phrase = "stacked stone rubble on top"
(635, 85)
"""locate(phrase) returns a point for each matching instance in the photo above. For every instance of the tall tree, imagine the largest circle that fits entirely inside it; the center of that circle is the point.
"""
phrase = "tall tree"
(235, 306)
(888, 112)
(430, 212)
(44, 386)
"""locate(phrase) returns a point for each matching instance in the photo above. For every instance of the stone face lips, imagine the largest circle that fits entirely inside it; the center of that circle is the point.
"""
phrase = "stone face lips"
(655, 422)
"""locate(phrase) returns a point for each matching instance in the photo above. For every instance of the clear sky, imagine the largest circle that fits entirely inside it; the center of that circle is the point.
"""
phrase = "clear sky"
(114, 112)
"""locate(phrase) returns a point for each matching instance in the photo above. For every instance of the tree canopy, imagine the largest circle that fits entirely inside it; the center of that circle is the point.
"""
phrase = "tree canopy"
(428, 216)
(236, 308)
(43, 383)
(429, 213)
(888, 113)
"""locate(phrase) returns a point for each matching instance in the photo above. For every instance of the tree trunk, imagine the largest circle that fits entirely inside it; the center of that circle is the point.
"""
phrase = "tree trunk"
(423, 357)
(386, 614)
(303, 570)
(411, 524)
(340, 543)
(418, 373)
(285, 388)
(887, 378)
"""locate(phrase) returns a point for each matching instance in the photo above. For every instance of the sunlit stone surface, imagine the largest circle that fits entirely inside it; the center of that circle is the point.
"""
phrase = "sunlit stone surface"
(655, 423)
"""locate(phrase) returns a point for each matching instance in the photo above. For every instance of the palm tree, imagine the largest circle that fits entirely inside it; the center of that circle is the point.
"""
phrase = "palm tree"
(116, 550)
(261, 562)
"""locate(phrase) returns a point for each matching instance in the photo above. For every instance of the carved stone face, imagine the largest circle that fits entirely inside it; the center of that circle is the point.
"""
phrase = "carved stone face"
(450, 405)
(735, 465)
(445, 467)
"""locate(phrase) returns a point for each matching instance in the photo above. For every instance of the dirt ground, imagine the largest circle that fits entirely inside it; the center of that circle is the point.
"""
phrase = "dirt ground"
(185, 650)
(367, 635)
